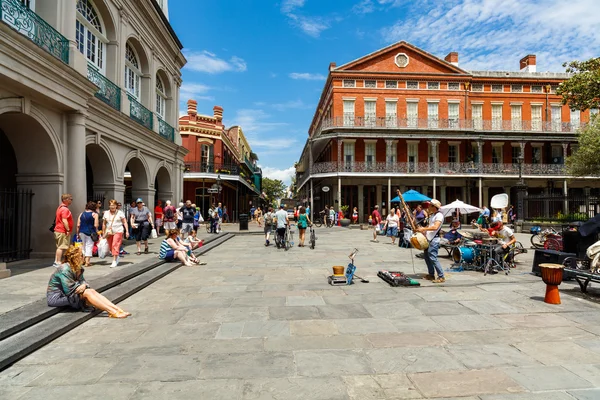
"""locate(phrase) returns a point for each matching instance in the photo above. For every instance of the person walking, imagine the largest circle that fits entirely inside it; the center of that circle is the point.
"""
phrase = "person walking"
(296, 214)
(282, 221)
(141, 220)
(303, 223)
(114, 225)
(391, 225)
(225, 214)
(376, 221)
(355, 215)
(63, 226)
(431, 232)
(269, 219)
(211, 219)
(169, 215)
(187, 218)
(158, 216)
(179, 216)
(87, 224)
(259, 217)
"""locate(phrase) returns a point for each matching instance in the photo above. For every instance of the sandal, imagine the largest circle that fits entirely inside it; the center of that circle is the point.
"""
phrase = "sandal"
(146, 250)
(139, 253)
(118, 315)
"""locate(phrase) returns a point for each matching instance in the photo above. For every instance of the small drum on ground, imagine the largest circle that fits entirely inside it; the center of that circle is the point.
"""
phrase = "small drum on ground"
(552, 275)
(463, 255)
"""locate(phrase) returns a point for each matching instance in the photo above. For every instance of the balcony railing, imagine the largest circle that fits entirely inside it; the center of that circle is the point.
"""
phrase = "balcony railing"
(28, 23)
(108, 92)
(165, 130)
(212, 168)
(468, 168)
(139, 113)
(392, 122)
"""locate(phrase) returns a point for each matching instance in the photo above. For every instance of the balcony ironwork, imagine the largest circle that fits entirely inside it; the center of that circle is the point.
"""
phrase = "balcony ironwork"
(165, 130)
(140, 114)
(212, 168)
(29, 24)
(349, 120)
(442, 168)
(108, 92)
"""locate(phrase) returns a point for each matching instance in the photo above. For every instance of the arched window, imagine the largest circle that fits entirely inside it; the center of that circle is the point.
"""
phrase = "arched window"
(89, 33)
(133, 74)
(161, 98)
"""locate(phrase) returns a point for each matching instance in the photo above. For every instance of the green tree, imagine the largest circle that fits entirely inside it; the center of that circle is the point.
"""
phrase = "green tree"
(582, 90)
(586, 159)
(273, 188)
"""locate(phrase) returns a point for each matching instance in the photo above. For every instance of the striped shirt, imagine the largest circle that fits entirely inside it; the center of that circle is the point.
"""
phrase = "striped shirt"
(164, 248)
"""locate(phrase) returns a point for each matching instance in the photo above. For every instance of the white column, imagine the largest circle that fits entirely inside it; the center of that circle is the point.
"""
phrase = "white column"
(361, 202)
(312, 202)
(389, 194)
(434, 188)
(566, 193)
(339, 193)
(76, 176)
(443, 194)
(480, 185)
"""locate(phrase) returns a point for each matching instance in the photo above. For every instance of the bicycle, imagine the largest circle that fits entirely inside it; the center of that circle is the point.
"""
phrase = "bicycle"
(320, 220)
(288, 238)
(313, 238)
(539, 239)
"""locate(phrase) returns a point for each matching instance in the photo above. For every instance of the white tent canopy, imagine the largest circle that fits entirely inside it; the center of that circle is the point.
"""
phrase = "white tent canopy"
(459, 206)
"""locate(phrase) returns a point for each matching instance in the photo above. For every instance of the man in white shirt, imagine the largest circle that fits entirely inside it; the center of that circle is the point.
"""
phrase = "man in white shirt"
(431, 232)
(506, 238)
(282, 221)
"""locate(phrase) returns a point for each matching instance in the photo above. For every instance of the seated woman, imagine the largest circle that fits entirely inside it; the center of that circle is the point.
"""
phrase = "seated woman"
(172, 249)
(67, 287)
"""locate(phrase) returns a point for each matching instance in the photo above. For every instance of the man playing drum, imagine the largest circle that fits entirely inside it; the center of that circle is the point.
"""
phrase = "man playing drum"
(506, 238)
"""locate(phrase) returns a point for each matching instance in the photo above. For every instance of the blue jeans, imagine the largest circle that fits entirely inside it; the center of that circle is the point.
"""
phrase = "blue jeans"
(431, 258)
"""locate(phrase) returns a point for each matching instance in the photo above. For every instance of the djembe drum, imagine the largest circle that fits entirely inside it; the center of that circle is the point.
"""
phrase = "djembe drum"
(552, 275)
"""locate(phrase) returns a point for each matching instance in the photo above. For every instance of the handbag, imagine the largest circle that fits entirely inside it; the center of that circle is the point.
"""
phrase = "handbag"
(95, 236)
(109, 231)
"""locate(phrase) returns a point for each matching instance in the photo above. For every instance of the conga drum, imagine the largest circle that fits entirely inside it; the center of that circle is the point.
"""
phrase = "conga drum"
(552, 275)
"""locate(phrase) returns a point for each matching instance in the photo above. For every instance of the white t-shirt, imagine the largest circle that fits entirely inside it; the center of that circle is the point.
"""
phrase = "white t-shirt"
(504, 234)
(281, 216)
(115, 225)
(432, 220)
(392, 221)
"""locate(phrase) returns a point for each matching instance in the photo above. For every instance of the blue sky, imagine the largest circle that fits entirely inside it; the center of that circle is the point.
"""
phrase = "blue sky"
(265, 62)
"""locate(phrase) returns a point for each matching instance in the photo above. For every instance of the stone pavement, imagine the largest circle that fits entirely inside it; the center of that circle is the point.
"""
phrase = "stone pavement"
(262, 323)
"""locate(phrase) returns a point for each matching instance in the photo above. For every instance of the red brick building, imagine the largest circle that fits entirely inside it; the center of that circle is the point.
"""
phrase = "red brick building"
(220, 165)
(403, 118)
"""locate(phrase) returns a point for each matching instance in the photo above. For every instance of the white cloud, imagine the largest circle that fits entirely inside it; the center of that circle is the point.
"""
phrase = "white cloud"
(307, 76)
(290, 105)
(284, 175)
(205, 61)
(312, 26)
(496, 34)
(290, 5)
(195, 91)
(369, 6)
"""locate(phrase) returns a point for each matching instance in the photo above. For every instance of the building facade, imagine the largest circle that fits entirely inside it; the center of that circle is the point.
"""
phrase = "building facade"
(401, 118)
(88, 106)
(220, 165)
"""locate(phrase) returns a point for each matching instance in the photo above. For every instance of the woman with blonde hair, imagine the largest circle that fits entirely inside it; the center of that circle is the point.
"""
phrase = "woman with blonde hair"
(67, 287)
(114, 225)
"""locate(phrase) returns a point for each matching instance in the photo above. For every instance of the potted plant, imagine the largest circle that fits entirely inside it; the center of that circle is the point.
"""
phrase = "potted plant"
(345, 222)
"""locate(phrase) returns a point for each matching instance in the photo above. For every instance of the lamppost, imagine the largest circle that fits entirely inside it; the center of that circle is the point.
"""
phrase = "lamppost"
(219, 188)
(521, 190)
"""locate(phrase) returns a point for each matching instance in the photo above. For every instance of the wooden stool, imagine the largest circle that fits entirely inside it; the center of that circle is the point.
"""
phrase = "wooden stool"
(552, 275)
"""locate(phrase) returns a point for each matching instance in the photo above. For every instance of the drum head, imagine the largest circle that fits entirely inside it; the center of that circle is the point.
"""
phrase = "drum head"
(456, 255)
(467, 235)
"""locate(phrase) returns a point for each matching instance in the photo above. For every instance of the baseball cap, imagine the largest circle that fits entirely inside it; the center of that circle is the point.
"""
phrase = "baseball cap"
(436, 203)
(139, 200)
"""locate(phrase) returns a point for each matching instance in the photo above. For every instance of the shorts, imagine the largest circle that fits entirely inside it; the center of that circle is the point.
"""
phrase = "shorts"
(62, 240)
(170, 256)
(187, 227)
(158, 222)
(392, 231)
(142, 233)
(170, 225)
(268, 228)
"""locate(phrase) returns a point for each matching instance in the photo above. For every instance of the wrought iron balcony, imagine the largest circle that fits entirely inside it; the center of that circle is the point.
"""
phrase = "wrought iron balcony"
(466, 168)
(165, 130)
(392, 122)
(140, 114)
(212, 168)
(108, 92)
(28, 23)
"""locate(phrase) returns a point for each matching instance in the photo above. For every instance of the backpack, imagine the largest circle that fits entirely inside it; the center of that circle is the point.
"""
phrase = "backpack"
(269, 219)
(169, 214)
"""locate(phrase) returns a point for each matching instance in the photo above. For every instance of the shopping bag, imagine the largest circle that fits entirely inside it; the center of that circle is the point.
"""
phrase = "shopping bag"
(153, 234)
(103, 249)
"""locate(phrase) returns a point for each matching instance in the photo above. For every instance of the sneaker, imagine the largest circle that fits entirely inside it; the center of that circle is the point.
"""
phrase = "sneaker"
(429, 277)
(114, 264)
(439, 280)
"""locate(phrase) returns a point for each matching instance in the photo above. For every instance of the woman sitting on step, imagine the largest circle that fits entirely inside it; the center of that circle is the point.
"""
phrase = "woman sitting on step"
(172, 249)
(67, 287)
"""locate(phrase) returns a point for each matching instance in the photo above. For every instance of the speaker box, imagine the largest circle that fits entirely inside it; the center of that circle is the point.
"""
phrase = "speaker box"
(573, 242)
(543, 256)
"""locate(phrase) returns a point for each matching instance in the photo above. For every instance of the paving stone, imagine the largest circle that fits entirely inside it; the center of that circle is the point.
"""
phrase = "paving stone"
(239, 314)
(313, 328)
(266, 329)
(555, 353)
(591, 394)
(331, 363)
(510, 336)
(122, 391)
(469, 322)
(495, 306)
(343, 311)
(315, 342)
(177, 334)
(464, 383)
(412, 359)
(259, 302)
(72, 373)
(294, 313)
(392, 310)
(392, 386)
(416, 324)
(221, 389)
(590, 373)
(546, 378)
(535, 320)
(146, 368)
(222, 346)
(379, 340)
(295, 389)
(304, 301)
(230, 330)
(491, 355)
(430, 308)
(13, 392)
(246, 366)
(198, 315)
(529, 396)
(364, 326)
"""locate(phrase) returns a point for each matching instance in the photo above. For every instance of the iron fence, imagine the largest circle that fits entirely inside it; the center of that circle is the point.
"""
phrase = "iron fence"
(560, 208)
(15, 224)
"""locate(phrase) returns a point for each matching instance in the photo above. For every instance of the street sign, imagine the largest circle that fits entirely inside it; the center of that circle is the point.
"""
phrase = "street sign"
(325, 189)
(211, 190)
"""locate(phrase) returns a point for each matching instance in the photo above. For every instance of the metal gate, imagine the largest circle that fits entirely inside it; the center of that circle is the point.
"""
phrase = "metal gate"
(15, 224)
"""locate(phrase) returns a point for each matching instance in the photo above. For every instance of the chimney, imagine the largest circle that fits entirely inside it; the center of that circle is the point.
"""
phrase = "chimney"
(452, 58)
(192, 108)
(527, 63)
(332, 66)
(218, 113)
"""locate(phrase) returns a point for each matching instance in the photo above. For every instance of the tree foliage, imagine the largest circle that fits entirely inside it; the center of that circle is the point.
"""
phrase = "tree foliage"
(582, 90)
(273, 189)
(586, 159)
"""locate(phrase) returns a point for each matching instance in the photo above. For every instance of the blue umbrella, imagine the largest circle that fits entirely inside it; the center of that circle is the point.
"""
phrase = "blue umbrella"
(411, 195)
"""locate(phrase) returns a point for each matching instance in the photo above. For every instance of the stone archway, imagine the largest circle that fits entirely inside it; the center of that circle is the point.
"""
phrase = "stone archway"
(137, 182)
(163, 185)
(100, 175)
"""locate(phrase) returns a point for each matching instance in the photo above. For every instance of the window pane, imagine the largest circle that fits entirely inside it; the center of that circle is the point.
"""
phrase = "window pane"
(349, 83)
(370, 84)
(433, 85)
(453, 86)
(412, 85)
(391, 84)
